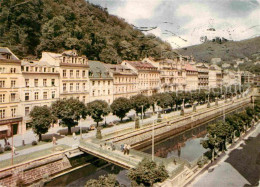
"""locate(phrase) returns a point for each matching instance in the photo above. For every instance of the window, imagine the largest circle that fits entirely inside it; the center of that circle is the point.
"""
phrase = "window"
(84, 86)
(98, 82)
(83, 73)
(26, 69)
(77, 86)
(44, 82)
(93, 93)
(13, 83)
(13, 70)
(64, 87)
(2, 69)
(36, 69)
(27, 97)
(13, 96)
(53, 94)
(44, 70)
(64, 73)
(108, 92)
(53, 82)
(53, 70)
(27, 110)
(84, 99)
(2, 98)
(26, 82)
(108, 82)
(2, 114)
(98, 92)
(13, 112)
(93, 83)
(71, 73)
(36, 95)
(2, 84)
(77, 73)
(77, 98)
(71, 86)
(45, 95)
(104, 92)
(36, 82)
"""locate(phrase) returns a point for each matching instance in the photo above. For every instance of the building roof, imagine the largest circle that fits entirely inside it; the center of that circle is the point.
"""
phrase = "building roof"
(189, 67)
(119, 69)
(139, 65)
(4, 51)
(36, 63)
(98, 70)
(53, 55)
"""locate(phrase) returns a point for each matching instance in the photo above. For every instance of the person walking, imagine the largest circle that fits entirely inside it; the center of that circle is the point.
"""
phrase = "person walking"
(13, 149)
(125, 147)
(122, 147)
(128, 147)
(54, 140)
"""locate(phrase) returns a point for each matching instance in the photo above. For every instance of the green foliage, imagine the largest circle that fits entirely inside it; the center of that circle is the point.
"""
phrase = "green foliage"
(148, 173)
(138, 101)
(30, 27)
(164, 100)
(41, 120)
(137, 122)
(103, 181)
(120, 107)
(69, 111)
(97, 110)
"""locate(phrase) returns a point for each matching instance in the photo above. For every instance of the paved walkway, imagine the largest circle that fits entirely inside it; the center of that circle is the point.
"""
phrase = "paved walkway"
(29, 136)
(238, 167)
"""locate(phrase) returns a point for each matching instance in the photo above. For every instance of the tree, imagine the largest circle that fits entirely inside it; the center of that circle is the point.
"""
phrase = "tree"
(164, 100)
(41, 120)
(148, 173)
(97, 110)
(138, 101)
(120, 107)
(69, 111)
(103, 181)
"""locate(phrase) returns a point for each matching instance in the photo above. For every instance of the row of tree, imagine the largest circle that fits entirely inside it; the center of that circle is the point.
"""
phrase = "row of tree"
(223, 132)
(70, 111)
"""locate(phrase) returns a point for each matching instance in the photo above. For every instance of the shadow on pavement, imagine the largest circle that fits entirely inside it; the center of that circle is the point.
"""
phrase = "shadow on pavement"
(247, 160)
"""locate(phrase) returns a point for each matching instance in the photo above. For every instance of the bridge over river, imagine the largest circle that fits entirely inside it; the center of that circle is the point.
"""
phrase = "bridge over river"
(139, 138)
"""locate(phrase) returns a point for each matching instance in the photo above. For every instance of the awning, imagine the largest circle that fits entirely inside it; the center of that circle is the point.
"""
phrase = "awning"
(3, 128)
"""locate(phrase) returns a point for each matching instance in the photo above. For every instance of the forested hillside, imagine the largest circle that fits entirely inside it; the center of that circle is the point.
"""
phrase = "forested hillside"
(227, 51)
(29, 27)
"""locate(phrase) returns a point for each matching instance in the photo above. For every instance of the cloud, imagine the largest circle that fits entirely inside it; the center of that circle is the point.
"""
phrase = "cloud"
(134, 10)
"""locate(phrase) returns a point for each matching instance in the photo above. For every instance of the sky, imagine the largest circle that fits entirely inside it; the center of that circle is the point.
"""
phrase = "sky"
(183, 22)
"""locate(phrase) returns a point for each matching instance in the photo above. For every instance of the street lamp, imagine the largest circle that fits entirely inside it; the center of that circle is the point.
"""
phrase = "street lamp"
(142, 115)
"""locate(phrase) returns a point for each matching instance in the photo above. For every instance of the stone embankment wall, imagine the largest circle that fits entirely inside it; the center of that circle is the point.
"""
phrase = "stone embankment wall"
(35, 170)
(175, 126)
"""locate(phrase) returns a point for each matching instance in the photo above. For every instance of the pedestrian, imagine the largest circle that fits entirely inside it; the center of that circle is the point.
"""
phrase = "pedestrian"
(13, 149)
(54, 140)
(74, 136)
(125, 147)
(128, 147)
(5, 141)
(174, 162)
(122, 147)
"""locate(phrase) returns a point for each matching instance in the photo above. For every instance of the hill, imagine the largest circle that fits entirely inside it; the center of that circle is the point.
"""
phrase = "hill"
(29, 27)
(227, 51)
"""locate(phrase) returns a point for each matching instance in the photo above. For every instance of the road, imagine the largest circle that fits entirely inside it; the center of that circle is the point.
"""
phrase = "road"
(239, 167)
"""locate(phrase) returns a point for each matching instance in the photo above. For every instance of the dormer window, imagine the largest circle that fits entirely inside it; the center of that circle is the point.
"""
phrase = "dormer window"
(64, 59)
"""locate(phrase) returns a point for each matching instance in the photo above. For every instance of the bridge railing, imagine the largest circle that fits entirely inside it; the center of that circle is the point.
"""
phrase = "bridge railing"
(109, 154)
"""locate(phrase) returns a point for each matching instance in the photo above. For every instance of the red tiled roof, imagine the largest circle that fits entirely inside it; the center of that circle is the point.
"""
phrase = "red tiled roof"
(189, 67)
(141, 65)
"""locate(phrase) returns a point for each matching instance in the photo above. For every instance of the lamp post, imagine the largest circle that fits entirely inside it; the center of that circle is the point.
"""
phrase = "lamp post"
(153, 142)
(142, 115)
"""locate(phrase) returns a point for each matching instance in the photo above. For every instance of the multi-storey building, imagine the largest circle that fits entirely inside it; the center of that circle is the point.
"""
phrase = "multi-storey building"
(125, 80)
(101, 82)
(41, 87)
(148, 76)
(231, 78)
(74, 70)
(203, 75)
(215, 76)
(10, 93)
(247, 77)
(191, 77)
